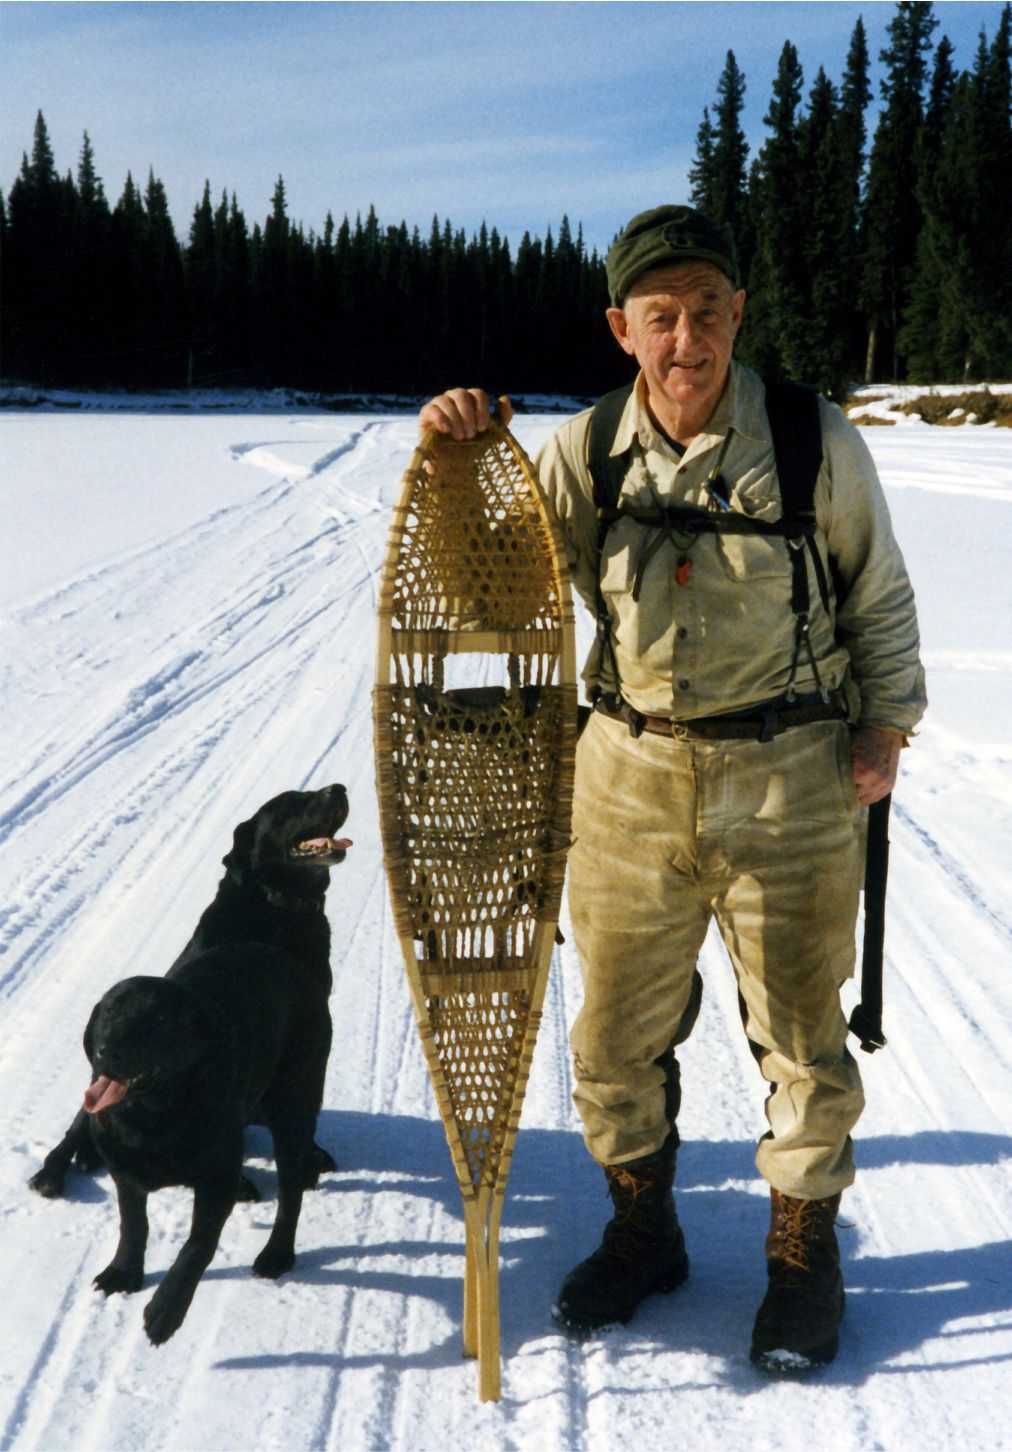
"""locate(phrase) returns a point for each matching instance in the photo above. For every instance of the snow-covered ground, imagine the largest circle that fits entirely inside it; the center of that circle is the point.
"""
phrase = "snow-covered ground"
(187, 627)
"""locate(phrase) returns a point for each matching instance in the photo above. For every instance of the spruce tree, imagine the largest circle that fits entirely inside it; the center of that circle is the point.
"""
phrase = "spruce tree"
(271, 300)
(855, 93)
(730, 153)
(527, 321)
(923, 336)
(39, 233)
(701, 189)
(232, 243)
(773, 336)
(201, 289)
(991, 326)
(823, 356)
(89, 277)
(325, 307)
(501, 307)
(434, 306)
(718, 176)
(893, 213)
(966, 194)
(298, 368)
(165, 341)
(127, 300)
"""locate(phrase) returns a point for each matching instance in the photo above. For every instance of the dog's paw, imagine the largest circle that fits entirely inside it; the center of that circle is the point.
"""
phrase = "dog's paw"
(273, 1263)
(119, 1278)
(47, 1183)
(248, 1192)
(163, 1317)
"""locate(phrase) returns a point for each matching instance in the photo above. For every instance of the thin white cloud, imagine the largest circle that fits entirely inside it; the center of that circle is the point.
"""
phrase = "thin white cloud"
(508, 111)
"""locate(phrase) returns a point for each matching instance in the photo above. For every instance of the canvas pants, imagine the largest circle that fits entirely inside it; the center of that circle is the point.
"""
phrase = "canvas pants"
(768, 839)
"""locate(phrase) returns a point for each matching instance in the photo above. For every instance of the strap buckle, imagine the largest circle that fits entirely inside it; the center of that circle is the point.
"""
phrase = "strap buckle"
(633, 719)
(768, 729)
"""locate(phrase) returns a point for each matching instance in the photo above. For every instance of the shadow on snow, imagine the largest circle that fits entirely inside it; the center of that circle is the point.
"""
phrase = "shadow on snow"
(556, 1205)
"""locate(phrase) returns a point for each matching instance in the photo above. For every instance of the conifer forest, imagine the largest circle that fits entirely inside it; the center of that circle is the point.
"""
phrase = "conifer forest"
(868, 252)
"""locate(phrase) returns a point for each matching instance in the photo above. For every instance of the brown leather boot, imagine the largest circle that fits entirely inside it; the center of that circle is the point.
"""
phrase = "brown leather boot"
(642, 1250)
(797, 1324)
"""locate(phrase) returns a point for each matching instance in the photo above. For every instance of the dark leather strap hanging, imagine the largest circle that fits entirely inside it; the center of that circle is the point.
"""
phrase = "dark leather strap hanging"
(866, 1020)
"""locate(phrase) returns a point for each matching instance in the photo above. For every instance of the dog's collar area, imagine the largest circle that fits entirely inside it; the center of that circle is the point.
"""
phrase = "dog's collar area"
(288, 900)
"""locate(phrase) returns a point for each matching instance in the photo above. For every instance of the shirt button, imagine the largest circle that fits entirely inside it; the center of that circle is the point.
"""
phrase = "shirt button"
(682, 632)
(683, 685)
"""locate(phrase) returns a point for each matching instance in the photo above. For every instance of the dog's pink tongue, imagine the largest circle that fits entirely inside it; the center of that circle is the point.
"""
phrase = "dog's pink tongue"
(103, 1094)
(327, 844)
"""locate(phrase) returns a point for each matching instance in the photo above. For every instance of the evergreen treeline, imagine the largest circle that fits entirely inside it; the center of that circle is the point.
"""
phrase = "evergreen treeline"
(106, 296)
(888, 261)
(894, 265)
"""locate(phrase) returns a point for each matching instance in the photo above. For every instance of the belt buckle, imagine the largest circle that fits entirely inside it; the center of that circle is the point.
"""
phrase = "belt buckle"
(679, 732)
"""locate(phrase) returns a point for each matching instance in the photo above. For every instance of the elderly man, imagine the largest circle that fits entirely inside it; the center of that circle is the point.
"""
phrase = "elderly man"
(736, 737)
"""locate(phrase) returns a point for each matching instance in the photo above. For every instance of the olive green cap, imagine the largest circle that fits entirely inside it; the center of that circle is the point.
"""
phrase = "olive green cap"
(666, 235)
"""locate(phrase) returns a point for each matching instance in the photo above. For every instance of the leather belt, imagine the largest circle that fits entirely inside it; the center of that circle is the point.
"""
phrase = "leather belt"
(761, 723)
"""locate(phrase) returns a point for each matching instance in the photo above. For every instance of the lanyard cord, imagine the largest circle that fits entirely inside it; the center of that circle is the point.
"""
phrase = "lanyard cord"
(665, 529)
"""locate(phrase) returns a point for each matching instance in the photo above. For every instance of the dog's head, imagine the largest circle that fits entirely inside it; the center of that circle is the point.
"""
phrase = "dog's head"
(291, 842)
(142, 1035)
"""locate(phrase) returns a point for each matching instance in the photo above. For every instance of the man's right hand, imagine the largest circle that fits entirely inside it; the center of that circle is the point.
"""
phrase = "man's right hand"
(461, 412)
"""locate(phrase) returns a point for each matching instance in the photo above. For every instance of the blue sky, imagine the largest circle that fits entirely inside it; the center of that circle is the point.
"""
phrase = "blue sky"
(511, 112)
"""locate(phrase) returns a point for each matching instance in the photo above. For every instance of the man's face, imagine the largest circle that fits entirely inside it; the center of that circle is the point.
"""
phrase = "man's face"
(680, 323)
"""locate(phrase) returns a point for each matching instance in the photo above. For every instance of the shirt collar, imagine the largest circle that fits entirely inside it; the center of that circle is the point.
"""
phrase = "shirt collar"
(740, 408)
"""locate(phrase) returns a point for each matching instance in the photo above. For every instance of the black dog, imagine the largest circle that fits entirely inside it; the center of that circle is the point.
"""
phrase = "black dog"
(238, 1032)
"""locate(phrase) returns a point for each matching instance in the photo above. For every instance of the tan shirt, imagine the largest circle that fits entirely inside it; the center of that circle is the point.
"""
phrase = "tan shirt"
(724, 639)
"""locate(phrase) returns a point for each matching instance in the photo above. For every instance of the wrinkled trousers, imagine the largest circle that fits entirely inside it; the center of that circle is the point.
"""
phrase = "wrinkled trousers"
(768, 839)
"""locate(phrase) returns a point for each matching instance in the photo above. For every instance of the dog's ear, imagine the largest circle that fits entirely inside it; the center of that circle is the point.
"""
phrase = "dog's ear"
(239, 860)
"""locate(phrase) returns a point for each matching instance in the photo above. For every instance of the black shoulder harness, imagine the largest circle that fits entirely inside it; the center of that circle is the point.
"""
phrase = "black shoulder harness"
(793, 413)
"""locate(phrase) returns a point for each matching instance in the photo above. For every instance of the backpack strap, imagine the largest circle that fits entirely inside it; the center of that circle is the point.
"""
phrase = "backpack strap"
(793, 412)
(607, 470)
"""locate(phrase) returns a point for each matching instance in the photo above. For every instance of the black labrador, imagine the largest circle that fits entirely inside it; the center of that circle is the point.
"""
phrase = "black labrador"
(238, 1032)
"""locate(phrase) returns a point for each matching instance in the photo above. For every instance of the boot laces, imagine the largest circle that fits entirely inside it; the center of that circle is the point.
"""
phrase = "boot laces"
(621, 1234)
(799, 1230)
(794, 1234)
(629, 1187)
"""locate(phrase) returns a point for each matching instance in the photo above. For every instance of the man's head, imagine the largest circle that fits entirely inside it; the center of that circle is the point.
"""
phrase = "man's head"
(661, 237)
(677, 312)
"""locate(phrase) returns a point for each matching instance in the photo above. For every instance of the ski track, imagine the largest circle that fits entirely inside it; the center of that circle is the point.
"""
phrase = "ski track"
(155, 698)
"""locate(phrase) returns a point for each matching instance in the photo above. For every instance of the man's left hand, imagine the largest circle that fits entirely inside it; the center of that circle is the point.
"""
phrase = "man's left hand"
(875, 758)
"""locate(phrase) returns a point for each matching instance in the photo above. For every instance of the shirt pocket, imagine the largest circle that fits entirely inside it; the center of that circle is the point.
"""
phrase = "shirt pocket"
(753, 556)
(618, 560)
